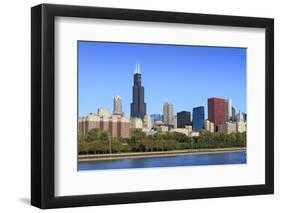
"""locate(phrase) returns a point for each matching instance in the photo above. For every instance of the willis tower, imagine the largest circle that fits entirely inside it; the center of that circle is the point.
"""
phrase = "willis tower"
(138, 107)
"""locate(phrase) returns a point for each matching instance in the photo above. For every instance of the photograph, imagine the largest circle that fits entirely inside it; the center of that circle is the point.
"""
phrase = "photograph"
(146, 105)
(132, 105)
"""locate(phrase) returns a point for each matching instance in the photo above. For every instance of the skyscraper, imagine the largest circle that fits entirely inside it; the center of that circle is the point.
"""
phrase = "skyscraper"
(198, 118)
(240, 117)
(138, 107)
(228, 109)
(117, 106)
(183, 119)
(244, 116)
(156, 117)
(175, 122)
(168, 113)
(233, 118)
(216, 111)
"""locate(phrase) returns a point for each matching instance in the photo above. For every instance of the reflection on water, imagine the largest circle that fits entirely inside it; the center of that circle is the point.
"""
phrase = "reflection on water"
(184, 160)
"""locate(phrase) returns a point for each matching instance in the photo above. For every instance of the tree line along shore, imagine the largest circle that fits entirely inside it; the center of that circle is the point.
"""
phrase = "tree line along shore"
(99, 142)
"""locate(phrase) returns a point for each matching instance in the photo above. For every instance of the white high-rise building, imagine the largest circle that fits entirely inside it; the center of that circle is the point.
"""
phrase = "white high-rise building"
(168, 113)
(175, 122)
(228, 109)
(239, 117)
(209, 126)
(147, 122)
(117, 106)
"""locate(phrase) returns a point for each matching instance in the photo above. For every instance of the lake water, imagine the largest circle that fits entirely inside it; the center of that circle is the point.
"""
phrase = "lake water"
(171, 161)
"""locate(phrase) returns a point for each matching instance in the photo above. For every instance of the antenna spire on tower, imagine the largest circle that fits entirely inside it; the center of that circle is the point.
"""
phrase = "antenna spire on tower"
(137, 70)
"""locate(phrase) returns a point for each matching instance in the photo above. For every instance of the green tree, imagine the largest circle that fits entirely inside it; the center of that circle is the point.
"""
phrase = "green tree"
(180, 137)
(83, 148)
(104, 136)
(137, 139)
(81, 137)
(93, 135)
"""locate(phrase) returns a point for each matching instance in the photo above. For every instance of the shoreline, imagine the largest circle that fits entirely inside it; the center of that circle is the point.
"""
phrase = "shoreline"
(134, 155)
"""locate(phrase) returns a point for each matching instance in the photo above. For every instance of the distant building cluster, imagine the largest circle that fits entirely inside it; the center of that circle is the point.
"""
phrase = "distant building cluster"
(222, 117)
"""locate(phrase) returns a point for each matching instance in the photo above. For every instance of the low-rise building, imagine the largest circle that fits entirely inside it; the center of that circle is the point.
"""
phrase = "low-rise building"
(241, 126)
(147, 123)
(181, 130)
(162, 129)
(159, 126)
(136, 123)
(116, 126)
(228, 127)
(194, 134)
(187, 131)
(103, 112)
(189, 128)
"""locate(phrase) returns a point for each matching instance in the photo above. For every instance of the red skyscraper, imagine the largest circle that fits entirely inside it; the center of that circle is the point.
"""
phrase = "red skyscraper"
(216, 111)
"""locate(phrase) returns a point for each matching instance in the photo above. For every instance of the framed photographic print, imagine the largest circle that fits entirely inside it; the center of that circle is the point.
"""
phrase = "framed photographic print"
(139, 106)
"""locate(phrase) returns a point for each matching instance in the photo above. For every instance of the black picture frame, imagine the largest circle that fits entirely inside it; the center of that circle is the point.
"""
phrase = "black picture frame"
(43, 102)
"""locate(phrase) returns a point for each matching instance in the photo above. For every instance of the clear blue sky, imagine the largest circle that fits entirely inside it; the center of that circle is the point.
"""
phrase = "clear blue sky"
(184, 75)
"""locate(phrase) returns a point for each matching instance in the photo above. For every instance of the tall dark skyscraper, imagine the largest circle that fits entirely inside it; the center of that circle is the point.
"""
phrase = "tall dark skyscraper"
(138, 107)
(183, 119)
(198, 118)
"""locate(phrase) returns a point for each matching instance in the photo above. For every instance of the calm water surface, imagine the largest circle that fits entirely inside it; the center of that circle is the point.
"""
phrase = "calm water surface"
(183, 160)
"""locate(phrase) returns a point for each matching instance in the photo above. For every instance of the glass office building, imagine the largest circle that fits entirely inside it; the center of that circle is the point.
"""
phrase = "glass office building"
(198, 117)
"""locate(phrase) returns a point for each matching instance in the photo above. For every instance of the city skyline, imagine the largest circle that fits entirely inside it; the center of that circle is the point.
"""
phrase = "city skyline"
(161, 80)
